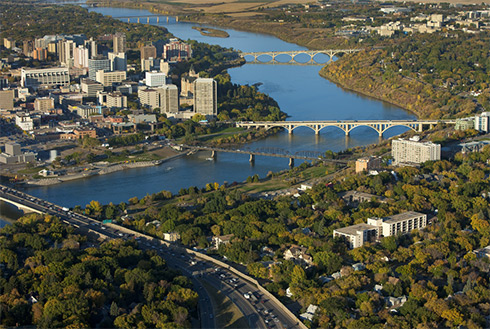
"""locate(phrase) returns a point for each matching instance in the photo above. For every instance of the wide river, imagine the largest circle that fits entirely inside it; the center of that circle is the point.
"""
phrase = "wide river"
(300, 92)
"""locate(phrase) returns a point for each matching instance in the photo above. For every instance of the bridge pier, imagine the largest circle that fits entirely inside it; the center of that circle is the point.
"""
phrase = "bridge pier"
(128, 20)
(252, 158)
(167, 19)
(176, 19)
(421, 128)
(214, 154)
(138, 19)
(290, 130)
(291, 162)
(158, 19)
(148, 20)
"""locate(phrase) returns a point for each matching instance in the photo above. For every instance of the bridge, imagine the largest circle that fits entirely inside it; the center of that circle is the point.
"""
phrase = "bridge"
(267, 151)
(138, 17)
(292, 54)
(380, 126)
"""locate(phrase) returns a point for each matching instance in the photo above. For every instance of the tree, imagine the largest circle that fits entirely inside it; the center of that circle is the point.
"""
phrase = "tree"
(114, 311)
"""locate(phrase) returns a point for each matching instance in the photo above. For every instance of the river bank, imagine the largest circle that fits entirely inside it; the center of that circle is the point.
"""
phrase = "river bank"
(100, 169)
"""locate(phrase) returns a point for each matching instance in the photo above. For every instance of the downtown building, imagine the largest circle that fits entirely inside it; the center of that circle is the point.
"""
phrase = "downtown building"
(165, 97)
(414, 152)
(177, 51)
(34, 78)
(206, 96)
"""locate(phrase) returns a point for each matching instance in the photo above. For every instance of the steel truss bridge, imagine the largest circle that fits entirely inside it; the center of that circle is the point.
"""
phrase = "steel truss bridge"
(380, 126)
(292, 54)
(267, 151)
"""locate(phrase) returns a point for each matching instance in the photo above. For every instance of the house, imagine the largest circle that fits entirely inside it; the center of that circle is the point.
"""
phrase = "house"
(310, 313)
(222, 239)
(171, 236)
(395, 301)
(298, 254)
(358, 266)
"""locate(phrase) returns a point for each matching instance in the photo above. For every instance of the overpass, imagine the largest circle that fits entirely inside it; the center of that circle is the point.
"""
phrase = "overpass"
(267, 151)
(380, 126)
(292, 55)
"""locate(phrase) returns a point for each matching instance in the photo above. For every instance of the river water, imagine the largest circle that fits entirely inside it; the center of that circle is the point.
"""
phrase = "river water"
(300, 92)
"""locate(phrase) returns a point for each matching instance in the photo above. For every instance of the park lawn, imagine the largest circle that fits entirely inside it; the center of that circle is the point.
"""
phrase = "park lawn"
(228, 315)
(33, 170)
(268, 185)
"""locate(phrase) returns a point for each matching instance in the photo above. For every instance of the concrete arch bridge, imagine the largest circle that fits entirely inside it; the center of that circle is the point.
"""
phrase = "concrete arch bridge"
(292, 54)
(380, 126)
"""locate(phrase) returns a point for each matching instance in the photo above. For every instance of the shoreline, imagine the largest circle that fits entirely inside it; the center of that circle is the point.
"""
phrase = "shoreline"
(48, 181)
(231, 23)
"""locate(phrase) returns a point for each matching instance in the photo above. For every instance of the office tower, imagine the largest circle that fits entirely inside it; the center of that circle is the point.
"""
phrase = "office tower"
(169, 99)
(155, 79)
(205, 96)
(119, 43)
(147, 52)
(80, 57)
(119, 61)
(97, 64)
(91, 45)
(65, 52)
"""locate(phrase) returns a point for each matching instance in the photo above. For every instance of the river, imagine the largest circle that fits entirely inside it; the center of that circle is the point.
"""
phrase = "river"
(300, 92)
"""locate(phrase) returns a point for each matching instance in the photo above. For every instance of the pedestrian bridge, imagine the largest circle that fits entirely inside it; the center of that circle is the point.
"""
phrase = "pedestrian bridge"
(292, 55)
(380, 126)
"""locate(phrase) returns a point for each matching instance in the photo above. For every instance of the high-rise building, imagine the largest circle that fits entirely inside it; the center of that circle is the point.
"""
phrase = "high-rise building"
(206, 96)
(482, 122)
(149, 98)
(155, 79)
(413, 151)
(8, 43)
(150, 64)
(56, 76)
(27, 47)
(187, 83)
(119, 43)
(65, 52)
(169, 99)
(41, 54)
(80, 57)
(119, 61)
(6, 99)
(97, 64)
(91, 45)
(147, 52)
(176, 51)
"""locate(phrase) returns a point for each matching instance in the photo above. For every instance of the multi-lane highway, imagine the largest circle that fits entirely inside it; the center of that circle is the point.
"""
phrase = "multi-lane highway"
(259, 311)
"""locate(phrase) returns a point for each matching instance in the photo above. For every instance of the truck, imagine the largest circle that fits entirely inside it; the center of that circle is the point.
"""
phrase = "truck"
(65, 209)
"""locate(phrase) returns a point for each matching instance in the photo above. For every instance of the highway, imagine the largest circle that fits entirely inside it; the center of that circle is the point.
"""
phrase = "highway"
(259, 312)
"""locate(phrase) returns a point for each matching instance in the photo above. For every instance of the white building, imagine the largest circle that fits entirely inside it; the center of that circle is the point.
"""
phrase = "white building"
(56, 76)
(81, 57)
(24, 121)
(482, 122)
(149, 97)
(206, 96)
(357, 235)
(412, 151)
(155, 79)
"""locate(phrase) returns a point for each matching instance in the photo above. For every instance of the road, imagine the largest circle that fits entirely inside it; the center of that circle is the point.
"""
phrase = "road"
(259, 312)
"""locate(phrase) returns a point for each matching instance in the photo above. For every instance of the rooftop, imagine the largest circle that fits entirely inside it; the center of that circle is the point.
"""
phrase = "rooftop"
(354, 229)
(402, 217)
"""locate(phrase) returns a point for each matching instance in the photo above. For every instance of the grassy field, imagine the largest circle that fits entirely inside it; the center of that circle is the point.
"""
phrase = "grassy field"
(228, 315)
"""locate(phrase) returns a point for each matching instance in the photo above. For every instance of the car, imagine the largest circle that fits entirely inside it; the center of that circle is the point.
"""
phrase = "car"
(246, 295)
